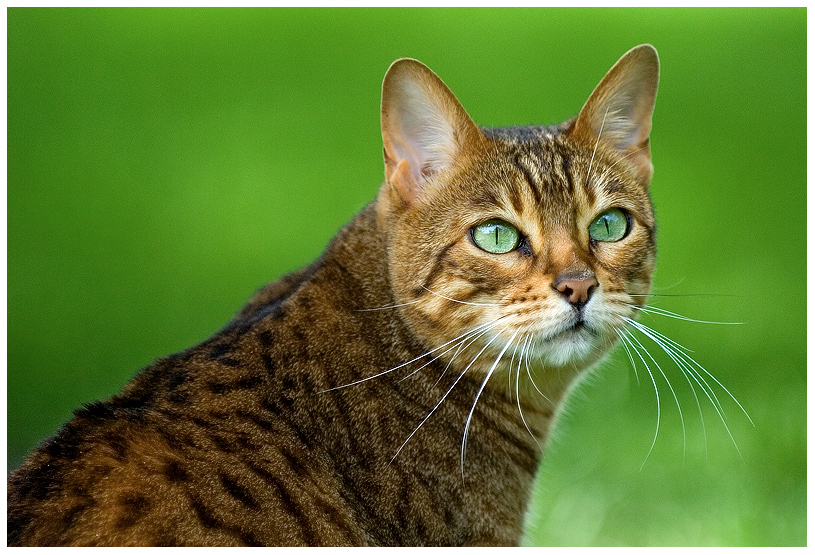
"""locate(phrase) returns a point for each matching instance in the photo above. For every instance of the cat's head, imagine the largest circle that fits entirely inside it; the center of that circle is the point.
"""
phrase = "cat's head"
(539, 237)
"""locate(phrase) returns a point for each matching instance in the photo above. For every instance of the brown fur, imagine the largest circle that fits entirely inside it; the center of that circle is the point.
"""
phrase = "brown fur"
(289, 426)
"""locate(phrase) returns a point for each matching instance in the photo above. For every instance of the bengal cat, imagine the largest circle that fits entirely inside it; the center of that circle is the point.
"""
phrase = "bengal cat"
(399, 390)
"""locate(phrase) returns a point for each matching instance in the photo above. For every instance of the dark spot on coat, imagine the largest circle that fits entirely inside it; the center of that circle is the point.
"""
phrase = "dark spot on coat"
(218, 388)
(265, 338)
(231, 362)
(239, 492)
(249, 383)
(224, 445)
(204, 514)
(268, 363)
(179, 397)
(174, 472)
(175, 378)
(134, 507)
(117, 443)
(219, 351)
(65, 445)
(16, 527)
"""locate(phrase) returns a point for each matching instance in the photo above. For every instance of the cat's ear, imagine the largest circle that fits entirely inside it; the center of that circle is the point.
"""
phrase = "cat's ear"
(424, 128)
(618, 112)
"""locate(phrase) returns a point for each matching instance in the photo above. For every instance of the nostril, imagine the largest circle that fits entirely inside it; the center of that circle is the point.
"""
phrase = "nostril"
(577, 291)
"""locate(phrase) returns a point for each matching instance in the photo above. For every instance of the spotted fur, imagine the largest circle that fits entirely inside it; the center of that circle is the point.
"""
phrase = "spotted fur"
(330, 410)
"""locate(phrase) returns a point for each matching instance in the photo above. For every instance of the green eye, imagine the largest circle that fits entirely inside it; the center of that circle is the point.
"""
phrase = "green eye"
(611, 225)
(496, 236)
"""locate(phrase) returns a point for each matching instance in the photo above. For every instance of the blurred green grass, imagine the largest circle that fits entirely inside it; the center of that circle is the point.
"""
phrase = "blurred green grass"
(165, 163)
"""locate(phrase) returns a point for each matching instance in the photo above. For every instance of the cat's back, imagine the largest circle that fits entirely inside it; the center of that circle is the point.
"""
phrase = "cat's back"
(207, 446)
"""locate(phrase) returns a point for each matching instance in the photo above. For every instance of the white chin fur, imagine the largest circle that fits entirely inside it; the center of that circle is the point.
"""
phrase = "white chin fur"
(566, 348)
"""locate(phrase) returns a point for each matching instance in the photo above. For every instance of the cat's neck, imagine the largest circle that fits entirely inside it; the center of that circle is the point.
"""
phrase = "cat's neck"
(392, 425)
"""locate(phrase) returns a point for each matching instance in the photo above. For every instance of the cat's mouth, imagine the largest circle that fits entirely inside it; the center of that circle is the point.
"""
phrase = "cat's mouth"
(578, 328)
(574, 339)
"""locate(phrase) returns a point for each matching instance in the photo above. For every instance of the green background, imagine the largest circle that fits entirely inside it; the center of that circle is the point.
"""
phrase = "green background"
(164, 164)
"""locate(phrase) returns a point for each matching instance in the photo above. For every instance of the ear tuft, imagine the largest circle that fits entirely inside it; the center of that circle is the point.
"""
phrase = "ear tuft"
(424, 128)
(618, 112)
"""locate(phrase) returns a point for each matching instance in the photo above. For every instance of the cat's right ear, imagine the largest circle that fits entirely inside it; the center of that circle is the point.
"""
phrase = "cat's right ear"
(618, 112)
(424, 127)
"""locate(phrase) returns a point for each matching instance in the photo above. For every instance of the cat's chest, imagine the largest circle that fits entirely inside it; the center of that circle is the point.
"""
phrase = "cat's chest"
(377, 424)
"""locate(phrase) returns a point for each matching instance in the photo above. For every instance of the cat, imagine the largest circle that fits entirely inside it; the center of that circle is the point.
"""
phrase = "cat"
(400, 389)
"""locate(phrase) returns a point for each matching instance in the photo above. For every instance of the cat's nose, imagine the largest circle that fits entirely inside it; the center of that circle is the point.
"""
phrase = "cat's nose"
(577, 291)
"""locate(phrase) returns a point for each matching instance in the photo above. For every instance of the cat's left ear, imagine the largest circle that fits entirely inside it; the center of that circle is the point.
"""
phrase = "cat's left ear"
(424, 128)
(618, 112)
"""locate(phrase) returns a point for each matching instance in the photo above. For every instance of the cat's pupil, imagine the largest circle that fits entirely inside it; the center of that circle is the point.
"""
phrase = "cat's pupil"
(496, 236)
(610, 226)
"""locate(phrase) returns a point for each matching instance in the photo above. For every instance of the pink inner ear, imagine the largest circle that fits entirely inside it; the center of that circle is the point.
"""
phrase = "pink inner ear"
(425, 133)
(403, 179)
(424, 128)
(619, 110)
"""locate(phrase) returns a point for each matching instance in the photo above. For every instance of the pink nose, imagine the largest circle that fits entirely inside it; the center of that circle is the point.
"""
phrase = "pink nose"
(577, 291)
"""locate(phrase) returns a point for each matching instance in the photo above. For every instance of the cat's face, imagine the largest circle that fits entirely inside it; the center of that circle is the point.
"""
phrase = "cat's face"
(518, 243)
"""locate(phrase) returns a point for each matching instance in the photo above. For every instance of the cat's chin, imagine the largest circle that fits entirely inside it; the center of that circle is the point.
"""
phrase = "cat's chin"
(578, 345)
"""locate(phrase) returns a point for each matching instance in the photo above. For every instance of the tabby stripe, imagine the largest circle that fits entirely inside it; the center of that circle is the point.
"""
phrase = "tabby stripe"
(372, 510)
(219, 350)
(135, 507)
(175, 472)
(292, 508)
(210, 521)
(524, 455)
(346, 425)
(435, 271)
(268, 363)
(588, 188)
(334, 516)
(515, 197)
(205, 516)
(266, 339)
(294, 462)
(566, 166)
(239, 492)
(258, 421)
(520, 166)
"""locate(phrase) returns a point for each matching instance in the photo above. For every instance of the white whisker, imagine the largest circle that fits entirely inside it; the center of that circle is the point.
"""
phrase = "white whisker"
(633, 152)
(675, 351)
(511, 365)
(529, 371)
(627, 337)
(456, 300)
(670, 387)
(628, 352)
(517, 392)
(670, 351)
(478, 395)
(469, 339)
(463, 344)
(461, 375)
(387, 307)
(460, 337)
(686, 364)
(690, 361)
(669, 314)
